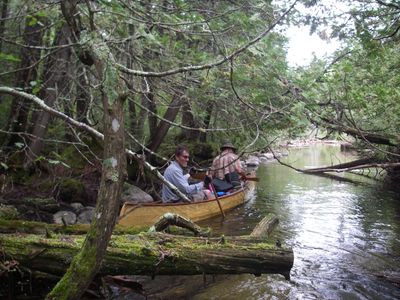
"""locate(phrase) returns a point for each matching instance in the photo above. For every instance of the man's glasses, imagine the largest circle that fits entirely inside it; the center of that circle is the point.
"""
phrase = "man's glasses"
(185, 156)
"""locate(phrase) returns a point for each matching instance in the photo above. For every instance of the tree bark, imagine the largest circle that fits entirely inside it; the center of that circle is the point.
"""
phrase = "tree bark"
(163, 127)
(189, 121)
(154, 254)
(53, 80)
(82, 95)
(86, 263)
(4, 10)
(151, 105)
(206, 121)
(265, 226)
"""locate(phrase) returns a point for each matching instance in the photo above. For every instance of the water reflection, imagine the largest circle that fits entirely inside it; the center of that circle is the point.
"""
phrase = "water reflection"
(345, 236)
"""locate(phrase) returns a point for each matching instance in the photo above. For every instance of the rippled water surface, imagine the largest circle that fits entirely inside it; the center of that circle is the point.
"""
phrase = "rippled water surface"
(345, 234)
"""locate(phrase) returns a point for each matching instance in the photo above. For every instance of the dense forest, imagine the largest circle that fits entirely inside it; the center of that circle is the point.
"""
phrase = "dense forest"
(96, 93)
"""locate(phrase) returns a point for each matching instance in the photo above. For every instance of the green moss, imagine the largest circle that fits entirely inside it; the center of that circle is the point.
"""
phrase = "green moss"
(8, 212)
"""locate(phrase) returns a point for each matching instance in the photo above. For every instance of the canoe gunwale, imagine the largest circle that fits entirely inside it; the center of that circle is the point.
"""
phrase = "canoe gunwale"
(186, 203)
(130, 216)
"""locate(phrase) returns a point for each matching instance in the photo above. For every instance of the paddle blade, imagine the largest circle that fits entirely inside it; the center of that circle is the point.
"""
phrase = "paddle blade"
(256, 179)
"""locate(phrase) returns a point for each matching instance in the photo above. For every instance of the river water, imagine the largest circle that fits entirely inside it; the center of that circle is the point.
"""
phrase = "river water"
(345, 234)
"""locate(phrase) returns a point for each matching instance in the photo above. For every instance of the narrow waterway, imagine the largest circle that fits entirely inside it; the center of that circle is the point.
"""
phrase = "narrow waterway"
(345, 235)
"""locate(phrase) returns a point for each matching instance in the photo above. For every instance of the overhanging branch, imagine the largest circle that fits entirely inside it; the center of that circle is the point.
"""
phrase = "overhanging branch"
(210, 65)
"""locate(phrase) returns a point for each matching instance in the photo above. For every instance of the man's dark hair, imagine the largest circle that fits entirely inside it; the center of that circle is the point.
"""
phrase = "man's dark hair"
(180, 148)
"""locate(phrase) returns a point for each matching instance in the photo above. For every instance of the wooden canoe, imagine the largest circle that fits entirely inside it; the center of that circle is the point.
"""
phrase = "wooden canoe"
(146, 214)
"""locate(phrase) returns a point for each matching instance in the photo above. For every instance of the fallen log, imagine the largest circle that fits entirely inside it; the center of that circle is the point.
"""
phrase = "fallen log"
(34, 227)
(153, 254)
(265, 226)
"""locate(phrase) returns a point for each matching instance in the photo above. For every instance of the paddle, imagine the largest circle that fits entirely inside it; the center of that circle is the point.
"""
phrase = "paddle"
(245, 178)
(216, 198)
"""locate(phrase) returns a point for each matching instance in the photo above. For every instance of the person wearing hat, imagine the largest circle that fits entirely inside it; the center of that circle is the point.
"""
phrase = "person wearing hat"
(226, 166)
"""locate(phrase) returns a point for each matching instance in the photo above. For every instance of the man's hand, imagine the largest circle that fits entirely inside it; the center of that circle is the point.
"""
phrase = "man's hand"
(207, 181)
(192, 171)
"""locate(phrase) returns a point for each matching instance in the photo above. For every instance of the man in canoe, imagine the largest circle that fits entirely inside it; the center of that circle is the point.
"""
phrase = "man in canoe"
(226, 166)
(174, 174)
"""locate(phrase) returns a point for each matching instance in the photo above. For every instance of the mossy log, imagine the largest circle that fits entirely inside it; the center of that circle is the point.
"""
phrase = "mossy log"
(33, 227)
(153, 254)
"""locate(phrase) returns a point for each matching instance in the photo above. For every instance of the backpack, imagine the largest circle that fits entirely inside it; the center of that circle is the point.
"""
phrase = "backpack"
(221, 185)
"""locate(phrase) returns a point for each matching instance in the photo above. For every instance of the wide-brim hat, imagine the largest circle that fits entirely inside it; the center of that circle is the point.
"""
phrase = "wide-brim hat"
(227, 144)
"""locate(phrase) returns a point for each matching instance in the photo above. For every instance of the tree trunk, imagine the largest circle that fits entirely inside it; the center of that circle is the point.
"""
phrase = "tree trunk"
(265, 226)
(206, 121)
(53, 79)
(82, 95)
(189, 121)
(153, 254)
(87, 261)
(4, 10)
(152, 107)
(17, 121)
(163, 127)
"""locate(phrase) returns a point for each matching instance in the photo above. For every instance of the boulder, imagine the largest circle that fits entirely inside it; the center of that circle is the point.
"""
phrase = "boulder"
(77, 207)
(268, 155)
(86, 215)
(64, 217)
(252, 161)
(133, 194)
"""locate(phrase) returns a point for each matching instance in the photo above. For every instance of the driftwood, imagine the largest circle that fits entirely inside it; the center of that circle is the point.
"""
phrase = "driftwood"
(265, 226)
(169, 219)
(151, 253)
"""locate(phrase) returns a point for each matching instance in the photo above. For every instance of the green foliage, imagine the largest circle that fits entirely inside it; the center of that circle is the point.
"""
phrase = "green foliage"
(9, 57)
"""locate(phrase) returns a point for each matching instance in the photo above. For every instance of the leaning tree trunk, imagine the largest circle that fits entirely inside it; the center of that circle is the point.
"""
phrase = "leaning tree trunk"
(88, 260)
(163, 126)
